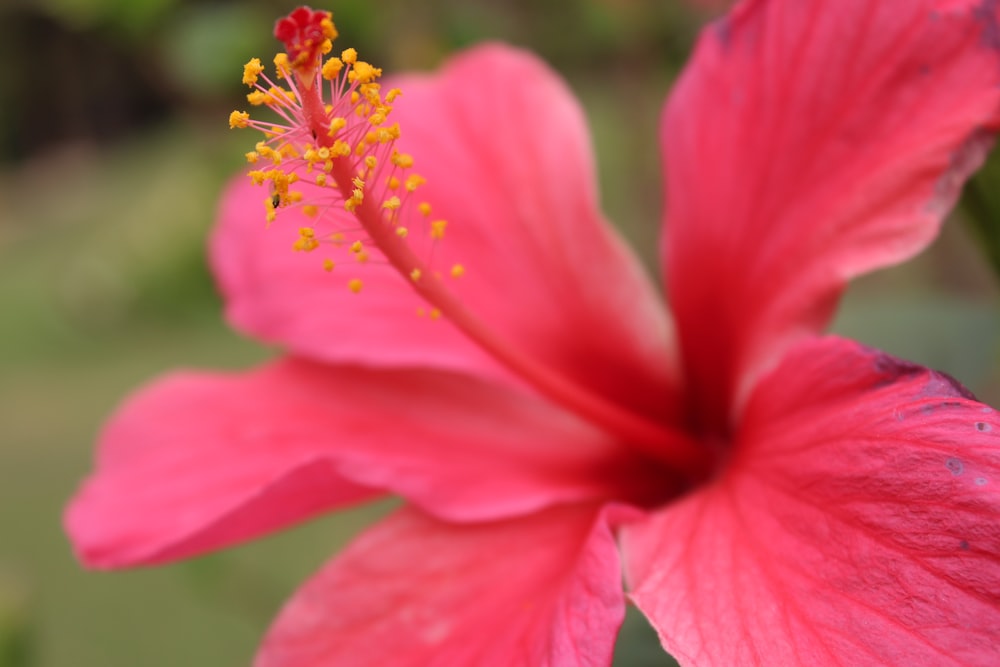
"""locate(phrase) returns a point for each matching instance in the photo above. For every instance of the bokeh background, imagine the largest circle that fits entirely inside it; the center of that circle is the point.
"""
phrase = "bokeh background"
(113, 149)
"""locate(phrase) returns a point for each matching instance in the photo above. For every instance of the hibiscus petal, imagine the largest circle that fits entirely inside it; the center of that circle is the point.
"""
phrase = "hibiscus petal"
(809, 142)
(201, 461)
(505, 151)
(539, 590)
(856, 525)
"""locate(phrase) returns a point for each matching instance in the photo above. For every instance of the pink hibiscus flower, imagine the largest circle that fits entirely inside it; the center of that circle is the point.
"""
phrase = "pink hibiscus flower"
(770, 496)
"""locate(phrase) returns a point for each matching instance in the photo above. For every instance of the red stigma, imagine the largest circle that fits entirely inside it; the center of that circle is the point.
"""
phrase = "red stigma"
(303, 32)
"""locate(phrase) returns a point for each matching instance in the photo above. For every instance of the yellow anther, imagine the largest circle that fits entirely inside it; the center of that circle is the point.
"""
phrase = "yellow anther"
(256, 98)
(424, 208)
(435, 314)
(392, 203)
(321, 180)
(331, 68)
(349, 56)
(383, 136)
(281, 96)
(401, 232)
(282, 65)
(376, 118)
(358, 182)
(337, 124)
(280, 179)
(391, 96)
(252, 157)
(294, 197)
(362, 256)
(414, 181)
(239, 119)
(323, 153)
(394, 131)
(415, 275)
(251, 70)
(307, 240)
(337, 238)
(393, 183)
(355, 96)
(437, 229)
(354, 284)
(402, 160)
(310, 210)
(371, 161)
(328, 28)
(257, 176)
(340, 148)
(328, 265)
(362, 72)
(357, 247)
(457, 271)
(266, 151)
(305, 245)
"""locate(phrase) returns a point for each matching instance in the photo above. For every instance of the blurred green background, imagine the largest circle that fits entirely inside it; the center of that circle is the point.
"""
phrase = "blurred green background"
(113, 149)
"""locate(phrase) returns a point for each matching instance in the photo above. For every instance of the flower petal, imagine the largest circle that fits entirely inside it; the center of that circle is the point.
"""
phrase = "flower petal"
(504, 148)
(199, 461)
(857, 525)
(809, 142)
(539, 590)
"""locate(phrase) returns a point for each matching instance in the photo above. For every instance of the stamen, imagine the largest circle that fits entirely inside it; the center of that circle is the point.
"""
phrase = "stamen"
(335, 145)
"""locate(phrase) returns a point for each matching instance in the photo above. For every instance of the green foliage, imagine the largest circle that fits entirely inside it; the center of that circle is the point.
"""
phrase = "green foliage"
(17, 632)
(981, 204)
(131, 19)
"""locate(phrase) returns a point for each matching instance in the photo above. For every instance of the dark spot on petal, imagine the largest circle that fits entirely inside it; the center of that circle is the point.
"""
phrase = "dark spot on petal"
(983, 427)
(943, 405)
(955, 466)
(980, 481)
(964, 545)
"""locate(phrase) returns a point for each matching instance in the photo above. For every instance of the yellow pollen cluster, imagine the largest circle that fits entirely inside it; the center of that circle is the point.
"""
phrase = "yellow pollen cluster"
(251, 70)
(307, 240)
(335, 138)
(437, 229)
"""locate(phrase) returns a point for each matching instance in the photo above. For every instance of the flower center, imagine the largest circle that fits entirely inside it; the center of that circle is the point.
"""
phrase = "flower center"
(336, 161)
